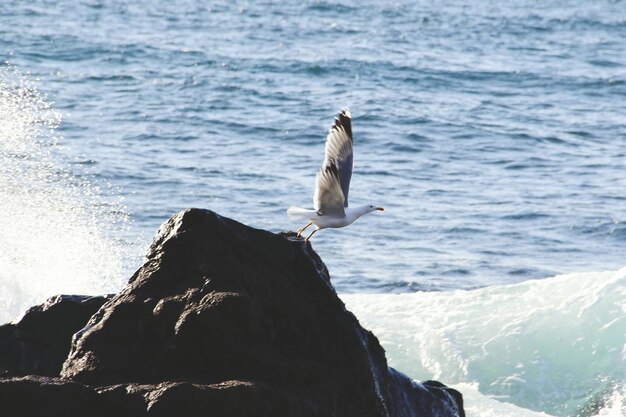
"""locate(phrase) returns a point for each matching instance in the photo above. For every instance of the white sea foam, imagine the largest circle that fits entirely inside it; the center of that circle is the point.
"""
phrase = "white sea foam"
(556, 346)
(56, 234)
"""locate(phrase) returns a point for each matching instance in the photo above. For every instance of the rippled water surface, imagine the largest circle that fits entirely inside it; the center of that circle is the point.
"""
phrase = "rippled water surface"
(494, 135)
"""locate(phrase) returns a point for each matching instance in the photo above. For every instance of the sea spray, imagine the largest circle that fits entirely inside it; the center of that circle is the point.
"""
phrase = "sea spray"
(57, 233)
(556, 346)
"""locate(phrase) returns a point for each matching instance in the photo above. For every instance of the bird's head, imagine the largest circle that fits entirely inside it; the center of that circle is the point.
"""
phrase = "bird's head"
(371, 208)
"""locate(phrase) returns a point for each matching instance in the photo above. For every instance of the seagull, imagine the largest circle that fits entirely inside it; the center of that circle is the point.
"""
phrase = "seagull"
(333, 183)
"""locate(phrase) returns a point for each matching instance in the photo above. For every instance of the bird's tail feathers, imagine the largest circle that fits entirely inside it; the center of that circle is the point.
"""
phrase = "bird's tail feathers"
(297, 213)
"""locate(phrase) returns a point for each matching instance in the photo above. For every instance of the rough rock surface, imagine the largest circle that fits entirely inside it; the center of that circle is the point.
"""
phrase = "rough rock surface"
(227, 320)
(39, 396)
(40, 342)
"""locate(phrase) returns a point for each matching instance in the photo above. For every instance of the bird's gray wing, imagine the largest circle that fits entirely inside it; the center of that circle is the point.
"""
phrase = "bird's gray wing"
(339, 151)
(328, 198)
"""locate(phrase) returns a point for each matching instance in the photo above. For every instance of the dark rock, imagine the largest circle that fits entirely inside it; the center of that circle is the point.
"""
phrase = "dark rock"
(225, 319)
(221, 320)
(229, 398)
(38, 396)
(428, 398)
(40, 342)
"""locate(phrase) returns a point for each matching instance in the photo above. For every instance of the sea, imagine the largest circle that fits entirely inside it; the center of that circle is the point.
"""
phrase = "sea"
(493, 134)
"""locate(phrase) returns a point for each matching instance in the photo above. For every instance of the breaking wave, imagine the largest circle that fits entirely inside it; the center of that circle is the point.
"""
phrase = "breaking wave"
(555, 346)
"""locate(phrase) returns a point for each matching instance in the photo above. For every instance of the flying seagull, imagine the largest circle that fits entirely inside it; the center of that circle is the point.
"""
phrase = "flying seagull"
(333, 183)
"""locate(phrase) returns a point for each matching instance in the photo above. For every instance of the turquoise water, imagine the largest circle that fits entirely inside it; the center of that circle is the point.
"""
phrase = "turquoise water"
(494, 135)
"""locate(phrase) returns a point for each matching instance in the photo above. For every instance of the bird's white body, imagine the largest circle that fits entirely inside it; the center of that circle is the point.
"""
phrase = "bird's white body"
(333, 183)
(323, 221)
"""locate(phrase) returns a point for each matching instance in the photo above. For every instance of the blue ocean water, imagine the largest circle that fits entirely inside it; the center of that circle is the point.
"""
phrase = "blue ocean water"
(493, 133)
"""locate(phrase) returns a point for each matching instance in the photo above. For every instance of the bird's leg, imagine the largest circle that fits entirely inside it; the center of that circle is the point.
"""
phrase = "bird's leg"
(302, 229)
(312, 233)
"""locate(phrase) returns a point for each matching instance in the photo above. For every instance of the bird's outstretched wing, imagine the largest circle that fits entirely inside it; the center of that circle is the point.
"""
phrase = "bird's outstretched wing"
(336, 172)
(328, 199)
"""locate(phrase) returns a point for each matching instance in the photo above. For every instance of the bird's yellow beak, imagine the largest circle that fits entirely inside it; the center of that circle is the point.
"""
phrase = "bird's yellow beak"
(380, 209)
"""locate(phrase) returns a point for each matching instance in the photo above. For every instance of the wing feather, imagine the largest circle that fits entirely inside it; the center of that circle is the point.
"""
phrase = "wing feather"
(328, 198)
(338, 151)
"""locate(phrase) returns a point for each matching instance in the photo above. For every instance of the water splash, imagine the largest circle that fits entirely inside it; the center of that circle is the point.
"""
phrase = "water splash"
(556, 345)
(615, 404)
(57, 232)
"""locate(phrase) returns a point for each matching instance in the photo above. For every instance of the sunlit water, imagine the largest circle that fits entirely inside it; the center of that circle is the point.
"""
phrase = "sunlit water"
(57, 232)
(494, 136)
(556, 345)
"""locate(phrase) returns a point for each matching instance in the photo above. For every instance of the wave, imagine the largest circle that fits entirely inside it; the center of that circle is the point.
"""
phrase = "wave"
(58, 234)
(555, 346)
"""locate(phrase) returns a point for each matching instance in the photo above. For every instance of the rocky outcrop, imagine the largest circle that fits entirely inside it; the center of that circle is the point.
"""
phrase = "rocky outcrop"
(227, 320)
(40, 342)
